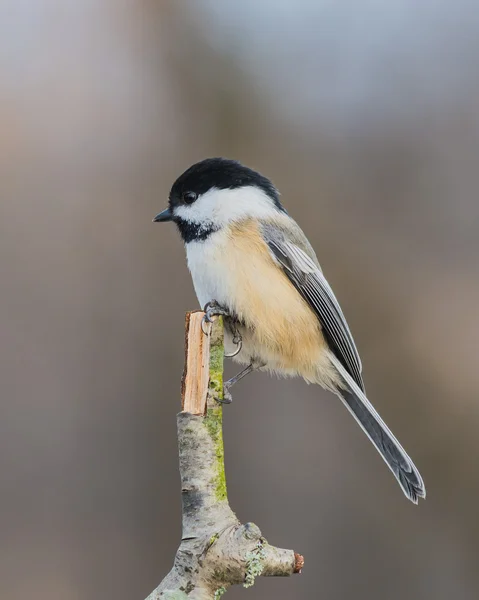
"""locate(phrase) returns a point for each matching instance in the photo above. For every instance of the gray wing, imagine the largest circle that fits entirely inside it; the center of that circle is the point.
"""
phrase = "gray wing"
(296, 257)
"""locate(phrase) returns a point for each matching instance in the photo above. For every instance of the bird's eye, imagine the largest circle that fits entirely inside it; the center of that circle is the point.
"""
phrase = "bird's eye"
(189, 197)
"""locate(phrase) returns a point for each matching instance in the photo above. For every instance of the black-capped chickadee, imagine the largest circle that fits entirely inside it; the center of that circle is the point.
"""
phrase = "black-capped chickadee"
(252, 263)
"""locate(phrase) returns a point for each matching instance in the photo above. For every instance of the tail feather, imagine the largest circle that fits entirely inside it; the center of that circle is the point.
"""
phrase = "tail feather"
(381, 436)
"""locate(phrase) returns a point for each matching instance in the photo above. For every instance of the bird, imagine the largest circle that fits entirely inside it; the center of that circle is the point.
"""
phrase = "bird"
(251, 263)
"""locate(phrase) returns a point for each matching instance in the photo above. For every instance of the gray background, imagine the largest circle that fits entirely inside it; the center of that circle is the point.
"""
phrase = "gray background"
(366, 116)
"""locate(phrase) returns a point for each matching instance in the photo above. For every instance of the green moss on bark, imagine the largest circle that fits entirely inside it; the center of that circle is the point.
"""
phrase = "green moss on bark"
(214, 423)
(216, 360)
(214, 413)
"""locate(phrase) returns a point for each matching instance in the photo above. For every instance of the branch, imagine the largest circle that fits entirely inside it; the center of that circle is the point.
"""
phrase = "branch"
(216, 550)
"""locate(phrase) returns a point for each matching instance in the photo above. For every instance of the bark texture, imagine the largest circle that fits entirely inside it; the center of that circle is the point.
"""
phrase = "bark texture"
(216, 550)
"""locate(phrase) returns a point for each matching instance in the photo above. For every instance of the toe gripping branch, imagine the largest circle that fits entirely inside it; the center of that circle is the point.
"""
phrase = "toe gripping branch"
(214, 309)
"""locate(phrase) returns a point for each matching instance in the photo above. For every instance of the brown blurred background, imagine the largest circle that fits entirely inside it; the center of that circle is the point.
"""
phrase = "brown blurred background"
(366, 116)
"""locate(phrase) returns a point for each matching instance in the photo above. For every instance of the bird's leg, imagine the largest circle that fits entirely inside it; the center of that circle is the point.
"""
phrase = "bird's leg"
(227, 399)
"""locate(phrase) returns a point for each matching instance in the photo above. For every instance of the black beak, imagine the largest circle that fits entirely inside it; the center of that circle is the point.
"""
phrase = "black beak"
(164, 216)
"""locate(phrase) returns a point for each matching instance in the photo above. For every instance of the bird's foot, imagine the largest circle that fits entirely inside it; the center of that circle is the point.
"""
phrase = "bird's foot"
(212, 309)
(227, 397)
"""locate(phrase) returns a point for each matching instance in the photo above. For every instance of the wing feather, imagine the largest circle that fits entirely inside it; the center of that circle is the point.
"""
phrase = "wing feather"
(310, 282)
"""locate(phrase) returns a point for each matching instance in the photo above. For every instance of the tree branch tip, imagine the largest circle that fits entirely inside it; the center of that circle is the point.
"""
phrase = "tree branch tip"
(298, 563)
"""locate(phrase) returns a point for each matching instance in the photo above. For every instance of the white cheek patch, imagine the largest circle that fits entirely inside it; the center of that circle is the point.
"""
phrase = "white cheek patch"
(191, 214)
(220, 207)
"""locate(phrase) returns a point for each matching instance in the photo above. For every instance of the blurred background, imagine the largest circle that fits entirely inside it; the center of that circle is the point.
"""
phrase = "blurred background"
(366, 116)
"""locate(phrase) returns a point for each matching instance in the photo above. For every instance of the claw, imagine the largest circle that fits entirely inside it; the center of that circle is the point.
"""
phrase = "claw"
(227, 398)
(204, 320)
(238, 340)
(212, 309)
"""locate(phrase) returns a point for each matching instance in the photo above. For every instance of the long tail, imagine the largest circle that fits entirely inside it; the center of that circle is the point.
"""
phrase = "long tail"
(380, 435)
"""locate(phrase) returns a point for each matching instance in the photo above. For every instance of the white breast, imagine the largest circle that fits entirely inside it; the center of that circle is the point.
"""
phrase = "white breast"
(208, 272)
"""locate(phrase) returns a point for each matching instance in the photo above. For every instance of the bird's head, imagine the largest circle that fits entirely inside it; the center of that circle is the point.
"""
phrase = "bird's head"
(216, 192)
